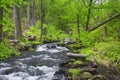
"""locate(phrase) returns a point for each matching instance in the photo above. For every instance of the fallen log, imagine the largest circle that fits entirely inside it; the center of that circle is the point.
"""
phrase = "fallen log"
(72, 55)
(88, 70)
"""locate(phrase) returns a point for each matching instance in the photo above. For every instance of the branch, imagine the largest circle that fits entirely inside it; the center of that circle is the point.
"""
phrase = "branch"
(110, 19)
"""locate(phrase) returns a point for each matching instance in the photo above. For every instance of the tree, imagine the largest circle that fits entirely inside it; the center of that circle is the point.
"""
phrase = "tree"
(103, 23)
(28, 14)
(17, 21)
(33, 13)
(42, 19)
(1, 19)
(88, 15)
(78, 27)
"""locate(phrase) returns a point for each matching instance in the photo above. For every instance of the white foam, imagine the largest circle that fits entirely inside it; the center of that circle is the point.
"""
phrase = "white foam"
(41, 48)
(4, 69)
(25, 59)
(4, 64)
(46, 69)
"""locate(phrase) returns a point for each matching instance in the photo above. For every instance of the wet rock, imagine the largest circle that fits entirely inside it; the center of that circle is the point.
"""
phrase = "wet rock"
(59, 77)
(86, 76)
(60, 72)
(50, 46)
(99, 77)
(6, 71)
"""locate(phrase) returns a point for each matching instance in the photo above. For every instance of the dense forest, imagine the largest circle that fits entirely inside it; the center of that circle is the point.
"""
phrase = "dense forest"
(91, 26)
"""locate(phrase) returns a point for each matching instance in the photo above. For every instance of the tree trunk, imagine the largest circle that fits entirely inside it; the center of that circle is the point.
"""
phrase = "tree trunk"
(105, 31)
(42, 18)
(88, 16)
(33, 12)
(1, 19)
(105, 27)
(28, 14)
(17, 21)
(78, 27)
(119, 34)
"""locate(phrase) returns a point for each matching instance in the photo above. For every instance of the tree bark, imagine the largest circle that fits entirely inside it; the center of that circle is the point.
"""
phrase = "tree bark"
(88, 16)
(33, 12)
(1, 19)
(101, 24)
(105, 31)
(78, 27)
(42, 19)
(119, 34)
(17, 21)
(28, 14)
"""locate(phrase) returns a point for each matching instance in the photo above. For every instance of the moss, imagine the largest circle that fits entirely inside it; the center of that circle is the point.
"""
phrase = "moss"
(78, 62)
(75, 71)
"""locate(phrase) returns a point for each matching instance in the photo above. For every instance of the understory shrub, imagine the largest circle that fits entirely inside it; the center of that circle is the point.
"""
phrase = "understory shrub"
(7, 50)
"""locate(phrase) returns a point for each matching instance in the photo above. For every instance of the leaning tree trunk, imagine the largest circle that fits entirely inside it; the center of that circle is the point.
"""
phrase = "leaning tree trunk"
(17, 21)
(1, 19)
(103, 23)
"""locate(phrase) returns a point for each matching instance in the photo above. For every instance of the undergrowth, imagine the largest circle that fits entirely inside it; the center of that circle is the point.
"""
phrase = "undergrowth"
(7, 50)
(108, 51)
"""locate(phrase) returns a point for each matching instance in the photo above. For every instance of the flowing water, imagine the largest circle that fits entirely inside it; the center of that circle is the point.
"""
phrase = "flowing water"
(39, 65)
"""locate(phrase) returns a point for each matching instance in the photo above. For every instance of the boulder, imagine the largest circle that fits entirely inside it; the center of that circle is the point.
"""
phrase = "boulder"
(86, 76)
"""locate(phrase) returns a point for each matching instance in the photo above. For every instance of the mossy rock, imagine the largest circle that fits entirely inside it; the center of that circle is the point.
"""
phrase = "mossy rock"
(74, 71)
(99, 77)
(78, 62)
(86, 76)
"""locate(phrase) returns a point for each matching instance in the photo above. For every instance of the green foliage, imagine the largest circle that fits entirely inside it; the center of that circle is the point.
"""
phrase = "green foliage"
(33, 31)
(7, 51)
(54, 34)
(110, 49)
(74, 71)
(8, 28)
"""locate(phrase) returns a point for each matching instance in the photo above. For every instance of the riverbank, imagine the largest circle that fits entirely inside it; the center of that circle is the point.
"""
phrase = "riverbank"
(106, 69)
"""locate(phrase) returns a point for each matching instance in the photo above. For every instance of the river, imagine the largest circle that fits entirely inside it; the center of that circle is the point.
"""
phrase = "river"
(39, 65)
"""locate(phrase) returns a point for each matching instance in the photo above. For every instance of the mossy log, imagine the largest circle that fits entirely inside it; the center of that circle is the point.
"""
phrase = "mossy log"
(72, 55)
